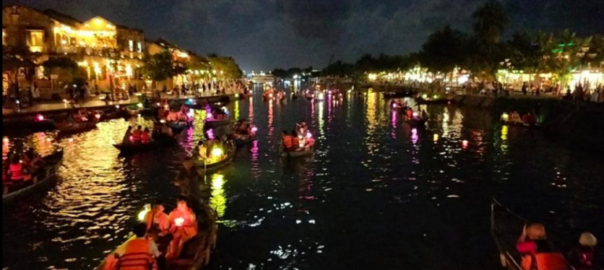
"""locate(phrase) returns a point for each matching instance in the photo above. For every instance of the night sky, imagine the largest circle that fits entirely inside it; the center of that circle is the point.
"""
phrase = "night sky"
(264, 34)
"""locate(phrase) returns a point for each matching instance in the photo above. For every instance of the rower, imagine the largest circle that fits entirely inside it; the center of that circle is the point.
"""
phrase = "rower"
(183, 224)
(139, 253)
(538, 253)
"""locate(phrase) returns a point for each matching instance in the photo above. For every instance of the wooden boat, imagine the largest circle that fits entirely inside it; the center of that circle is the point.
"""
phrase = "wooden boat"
(299, 153)
(136, 147)
(178, 127)
(210, 168)
(43, 178)
(506, 227)
(196, 253)
(399, 94)
(417, 122)
(241, 140)
(212, 123)
(74, 127)
(520, 124)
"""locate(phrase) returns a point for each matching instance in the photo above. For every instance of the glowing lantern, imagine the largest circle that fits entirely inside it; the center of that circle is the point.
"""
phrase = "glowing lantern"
(65, 101)
(395, 105)
(162, 121)
(40, 117)
(158, 104)
(254, 129)
(190, 100)
(465, 143)
(209, 116)
(48, 139)
(415, 114)
(425, 96)
(143, 214)
(190, 114)
(308, 135)
(436, 137)
(70, 140)
(97, 116)
(505, 117)
(217, 152)
(179, 222)
(5, 140)
(140, 105)
(117, 107)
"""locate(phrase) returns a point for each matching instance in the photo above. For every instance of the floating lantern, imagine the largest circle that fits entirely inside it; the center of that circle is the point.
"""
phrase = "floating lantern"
(117, 107)
(254, 129)
(209, 116)
(158, 104)
(465, 143)
(217, 152)
(40, 117)
(505, 117)
(97, 116)
(308, 135)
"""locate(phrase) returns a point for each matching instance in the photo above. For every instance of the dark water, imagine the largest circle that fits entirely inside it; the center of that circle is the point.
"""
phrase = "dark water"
(376, 195)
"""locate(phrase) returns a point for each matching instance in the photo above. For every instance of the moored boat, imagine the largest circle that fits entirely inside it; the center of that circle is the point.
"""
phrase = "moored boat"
(212, 123)
(40, 179)
(74, 127)
(136, 147)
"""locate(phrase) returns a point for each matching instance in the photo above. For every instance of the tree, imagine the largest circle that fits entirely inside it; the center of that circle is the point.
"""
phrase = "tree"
(444, 50)
(158, 67)
(16, 61)
(524, 52)
(490, 24)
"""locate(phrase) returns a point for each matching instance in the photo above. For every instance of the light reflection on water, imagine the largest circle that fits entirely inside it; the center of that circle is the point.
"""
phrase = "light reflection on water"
(377, 194)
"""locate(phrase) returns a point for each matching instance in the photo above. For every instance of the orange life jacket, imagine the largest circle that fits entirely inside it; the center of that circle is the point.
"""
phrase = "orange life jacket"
(544, 261)
(16, 172)
(295, 142)
(136, 256)
(136, 135)
(146, 137)
(288, 141)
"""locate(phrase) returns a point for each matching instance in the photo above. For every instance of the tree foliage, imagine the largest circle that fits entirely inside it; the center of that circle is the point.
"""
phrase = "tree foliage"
(444, 50)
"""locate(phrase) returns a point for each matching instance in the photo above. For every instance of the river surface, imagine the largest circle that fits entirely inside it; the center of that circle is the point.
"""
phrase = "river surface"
(377, 194)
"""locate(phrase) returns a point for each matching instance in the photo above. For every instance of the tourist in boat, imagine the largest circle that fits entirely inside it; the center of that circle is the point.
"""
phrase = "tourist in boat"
(137, 135)
(409, 113)
(128, 136)
(586, 255)
(183, 224)
(157, 220)
(295, 141)
(515, 118)
(146, 136)
(140, 253)
(538, 253)
(288, 141)
(15, 171)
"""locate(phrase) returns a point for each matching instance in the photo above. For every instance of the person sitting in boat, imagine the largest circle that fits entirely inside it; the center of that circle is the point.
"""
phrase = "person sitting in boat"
(295, 141)
(15, 171)
(529, 119)
(146, 136)
(586, 255)
(139, 253)
(183, 225)
(515, 118)
(137, 135)
(157, 219)
(538, 253)
(288, 141)
(409, 113)
(128, 138)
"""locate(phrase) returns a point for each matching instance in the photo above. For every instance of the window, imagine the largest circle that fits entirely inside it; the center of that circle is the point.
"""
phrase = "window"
(35, 40)
(131, 45)
(3, 37)
(140, 47)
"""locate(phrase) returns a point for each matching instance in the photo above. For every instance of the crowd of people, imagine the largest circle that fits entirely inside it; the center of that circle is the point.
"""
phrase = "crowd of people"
(538, 253)
(300, 139)
(20, 169)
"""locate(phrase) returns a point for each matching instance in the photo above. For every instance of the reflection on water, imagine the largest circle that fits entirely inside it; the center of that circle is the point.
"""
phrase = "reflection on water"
(377, 194)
